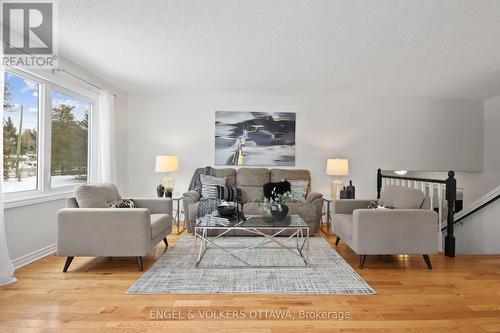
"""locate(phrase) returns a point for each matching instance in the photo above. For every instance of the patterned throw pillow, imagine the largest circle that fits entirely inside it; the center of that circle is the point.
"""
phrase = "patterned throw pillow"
(299, 188)
(125, 203)
(228, 193)
(208, 186)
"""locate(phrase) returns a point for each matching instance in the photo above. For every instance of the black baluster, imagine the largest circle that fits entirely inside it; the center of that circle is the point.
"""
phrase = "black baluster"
(451, 197)
(379, 182)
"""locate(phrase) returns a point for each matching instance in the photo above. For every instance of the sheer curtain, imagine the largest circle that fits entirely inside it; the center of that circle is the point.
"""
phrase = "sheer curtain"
(6, 267)
(104, 152)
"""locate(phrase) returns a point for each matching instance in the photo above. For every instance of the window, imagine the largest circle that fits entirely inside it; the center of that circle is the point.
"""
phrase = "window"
(46, 136)
(70, 123)
(20, 133)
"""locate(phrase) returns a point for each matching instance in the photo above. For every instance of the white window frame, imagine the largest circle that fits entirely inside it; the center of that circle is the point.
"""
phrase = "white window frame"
(71, 93)
(44, 192)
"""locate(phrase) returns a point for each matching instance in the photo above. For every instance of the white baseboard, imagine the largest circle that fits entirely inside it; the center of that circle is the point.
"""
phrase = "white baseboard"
(34, 256)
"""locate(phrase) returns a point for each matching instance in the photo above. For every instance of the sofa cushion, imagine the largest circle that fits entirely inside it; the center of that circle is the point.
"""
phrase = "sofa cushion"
(96, 195)
(252, 177)
(251, 181)
(159, 223)
(342, 226)
(277, 175)
(401, 197)
(229, 174)
(252, 194)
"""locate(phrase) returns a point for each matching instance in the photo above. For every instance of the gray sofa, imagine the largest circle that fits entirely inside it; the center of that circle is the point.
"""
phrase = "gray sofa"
(89, 228)
(251, 182)
(409, 228)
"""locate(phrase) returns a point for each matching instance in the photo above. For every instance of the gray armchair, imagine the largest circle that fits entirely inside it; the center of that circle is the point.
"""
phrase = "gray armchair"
(87, 227)
(409, 228)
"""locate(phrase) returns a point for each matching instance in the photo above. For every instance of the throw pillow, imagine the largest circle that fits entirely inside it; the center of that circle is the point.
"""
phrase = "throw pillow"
(278, 188)
(401, 197)
(96, 195)
(299, 188)
(375, 205)
(228, 193)
(125, 203)
(208, 186)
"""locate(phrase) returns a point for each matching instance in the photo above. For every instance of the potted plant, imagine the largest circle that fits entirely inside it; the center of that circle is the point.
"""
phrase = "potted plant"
(276, 205)
(168, 192)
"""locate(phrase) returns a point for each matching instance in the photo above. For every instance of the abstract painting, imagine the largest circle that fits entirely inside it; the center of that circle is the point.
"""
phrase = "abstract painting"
(255, 138)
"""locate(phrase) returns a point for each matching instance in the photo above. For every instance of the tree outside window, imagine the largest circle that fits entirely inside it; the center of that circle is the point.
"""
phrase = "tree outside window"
(20, 128)
(70, 123)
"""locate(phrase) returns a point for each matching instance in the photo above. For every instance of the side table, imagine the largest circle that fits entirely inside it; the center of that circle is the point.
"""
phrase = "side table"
(326, 216)
(178, 213)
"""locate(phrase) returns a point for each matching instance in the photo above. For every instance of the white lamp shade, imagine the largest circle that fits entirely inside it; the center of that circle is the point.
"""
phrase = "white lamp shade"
(337, 167)
(166, 163)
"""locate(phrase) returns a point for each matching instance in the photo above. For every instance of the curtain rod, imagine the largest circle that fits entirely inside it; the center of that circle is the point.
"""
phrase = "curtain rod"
(55, 68)
(58, 69)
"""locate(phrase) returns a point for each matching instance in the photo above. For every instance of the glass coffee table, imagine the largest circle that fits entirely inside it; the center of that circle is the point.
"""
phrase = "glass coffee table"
(281, 234)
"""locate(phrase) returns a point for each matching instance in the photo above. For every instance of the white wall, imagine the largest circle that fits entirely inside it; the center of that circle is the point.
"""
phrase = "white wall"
(31, 230)
(477, 184)
(478, 234)
(492, 135)
(390, 133)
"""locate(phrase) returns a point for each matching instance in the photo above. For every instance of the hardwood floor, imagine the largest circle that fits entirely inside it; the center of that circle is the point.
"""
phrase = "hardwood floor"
(458, 294)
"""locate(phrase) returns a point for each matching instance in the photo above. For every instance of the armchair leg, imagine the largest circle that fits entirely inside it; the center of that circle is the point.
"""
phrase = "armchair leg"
(66, 265)
(362, 259)
(427, 261)
(337, 241)
(165, 241)
(140, 262)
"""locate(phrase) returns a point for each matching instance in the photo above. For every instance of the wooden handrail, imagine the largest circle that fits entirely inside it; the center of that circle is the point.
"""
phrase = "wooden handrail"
(475, 210)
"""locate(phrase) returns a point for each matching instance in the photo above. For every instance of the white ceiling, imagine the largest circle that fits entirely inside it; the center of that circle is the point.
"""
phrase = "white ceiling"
(430, 48)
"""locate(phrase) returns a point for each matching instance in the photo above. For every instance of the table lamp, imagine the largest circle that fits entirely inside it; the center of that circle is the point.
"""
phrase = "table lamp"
(166, 164)
(337, 167)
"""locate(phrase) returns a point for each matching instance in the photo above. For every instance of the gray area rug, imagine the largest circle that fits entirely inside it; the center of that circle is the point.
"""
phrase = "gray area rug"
(219, 273)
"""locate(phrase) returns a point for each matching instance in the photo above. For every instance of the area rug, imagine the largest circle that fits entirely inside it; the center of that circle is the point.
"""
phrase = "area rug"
(219, 273)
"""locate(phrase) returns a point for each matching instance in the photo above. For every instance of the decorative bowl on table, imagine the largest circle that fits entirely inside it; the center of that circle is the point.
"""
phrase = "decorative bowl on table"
(226, 211)
(280, 215)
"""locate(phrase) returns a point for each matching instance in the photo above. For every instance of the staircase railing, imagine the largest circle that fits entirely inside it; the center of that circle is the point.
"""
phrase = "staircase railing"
(476, 206)
(424, 184)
